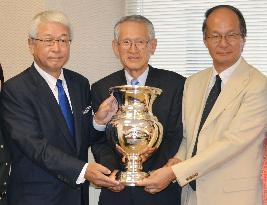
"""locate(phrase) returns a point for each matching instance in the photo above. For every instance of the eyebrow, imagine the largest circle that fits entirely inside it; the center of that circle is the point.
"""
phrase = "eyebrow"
(49, 35)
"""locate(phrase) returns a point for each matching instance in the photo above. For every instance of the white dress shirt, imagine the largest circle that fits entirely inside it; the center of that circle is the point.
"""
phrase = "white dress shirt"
(225, 75)
(51, 81)
(141, 79)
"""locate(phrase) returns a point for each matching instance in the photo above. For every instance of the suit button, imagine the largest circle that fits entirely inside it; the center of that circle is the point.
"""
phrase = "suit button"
(2, 146)
(6, 164)
(4, 183)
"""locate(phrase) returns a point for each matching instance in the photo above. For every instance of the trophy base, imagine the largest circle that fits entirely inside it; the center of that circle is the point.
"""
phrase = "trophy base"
(131, 178)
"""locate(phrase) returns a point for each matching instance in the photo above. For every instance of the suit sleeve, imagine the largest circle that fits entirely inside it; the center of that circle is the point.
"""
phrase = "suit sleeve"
(4, 156)
(23, 129)
(102, 150)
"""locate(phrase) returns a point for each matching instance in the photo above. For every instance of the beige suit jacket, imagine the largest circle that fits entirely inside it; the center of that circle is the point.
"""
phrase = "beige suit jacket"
(227, 165)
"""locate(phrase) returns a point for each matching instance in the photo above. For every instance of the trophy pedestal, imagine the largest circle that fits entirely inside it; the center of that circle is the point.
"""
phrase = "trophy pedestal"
(131, 178)
(133, 173)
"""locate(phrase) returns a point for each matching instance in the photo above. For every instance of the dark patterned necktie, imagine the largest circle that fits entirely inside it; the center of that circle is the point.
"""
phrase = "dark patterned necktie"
(214, 93)
(65, 107)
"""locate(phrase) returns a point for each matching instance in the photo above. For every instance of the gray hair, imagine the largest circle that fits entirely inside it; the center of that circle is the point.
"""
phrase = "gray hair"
(46, 17)
(134, 18)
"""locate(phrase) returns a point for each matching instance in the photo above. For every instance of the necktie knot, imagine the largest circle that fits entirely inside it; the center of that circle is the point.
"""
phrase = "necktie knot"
(134, 82)
(59, 83)
(218, 82)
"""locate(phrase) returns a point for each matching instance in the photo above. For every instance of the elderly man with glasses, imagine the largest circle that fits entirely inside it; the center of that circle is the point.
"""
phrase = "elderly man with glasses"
(48, 122)
(134, 43)
(224, 119)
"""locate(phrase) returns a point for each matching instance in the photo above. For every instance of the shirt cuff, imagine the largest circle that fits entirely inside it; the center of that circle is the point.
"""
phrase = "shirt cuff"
(81, 178)
(98, 127)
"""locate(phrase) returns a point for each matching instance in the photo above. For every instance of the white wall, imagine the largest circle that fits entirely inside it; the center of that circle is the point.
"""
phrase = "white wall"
(91, 51)
(14, 20)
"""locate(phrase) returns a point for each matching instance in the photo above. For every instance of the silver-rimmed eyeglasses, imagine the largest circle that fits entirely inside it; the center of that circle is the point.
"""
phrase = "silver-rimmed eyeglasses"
(51, 42)
(139, 44)
(229, 37)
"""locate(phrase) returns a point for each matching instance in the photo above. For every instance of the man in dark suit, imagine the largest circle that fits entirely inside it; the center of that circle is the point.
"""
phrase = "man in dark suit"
(4, 157)
(134, 43)
(48, 121)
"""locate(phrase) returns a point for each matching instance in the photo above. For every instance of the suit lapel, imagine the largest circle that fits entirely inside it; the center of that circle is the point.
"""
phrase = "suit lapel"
(152, 78)
(121, 79)
(73, 88)
(233, 87)
(46, 97)
(201, 90)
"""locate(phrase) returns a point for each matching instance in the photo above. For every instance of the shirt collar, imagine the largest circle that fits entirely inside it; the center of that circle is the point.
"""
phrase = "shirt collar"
(226, 74)
(141, 79)
(51, 80)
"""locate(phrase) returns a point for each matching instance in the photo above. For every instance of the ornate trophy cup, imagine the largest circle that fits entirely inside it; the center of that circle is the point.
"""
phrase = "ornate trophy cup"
(134, 128)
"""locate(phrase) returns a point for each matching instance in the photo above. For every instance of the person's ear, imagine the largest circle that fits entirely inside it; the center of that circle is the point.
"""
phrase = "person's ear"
(115, 47)
(153, 46)
(205, 41)
(31, 45)
(243, 43)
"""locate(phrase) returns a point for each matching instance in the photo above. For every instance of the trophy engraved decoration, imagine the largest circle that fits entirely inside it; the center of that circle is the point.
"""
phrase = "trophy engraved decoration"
(134, 128)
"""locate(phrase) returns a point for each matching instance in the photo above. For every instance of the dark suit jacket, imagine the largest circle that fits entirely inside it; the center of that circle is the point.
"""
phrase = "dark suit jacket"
(4, 168)
(4, 155)
(1, 76)
(167, 107)
(45, 161)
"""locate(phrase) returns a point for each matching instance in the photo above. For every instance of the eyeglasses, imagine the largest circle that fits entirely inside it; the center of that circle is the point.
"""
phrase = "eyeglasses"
(51, 42)
(139, 44)
(229, 37)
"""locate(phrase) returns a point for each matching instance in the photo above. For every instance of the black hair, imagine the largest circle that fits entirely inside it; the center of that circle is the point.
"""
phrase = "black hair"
(242, 22)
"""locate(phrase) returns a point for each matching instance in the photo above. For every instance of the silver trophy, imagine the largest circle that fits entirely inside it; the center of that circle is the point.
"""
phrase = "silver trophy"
(134, 128)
